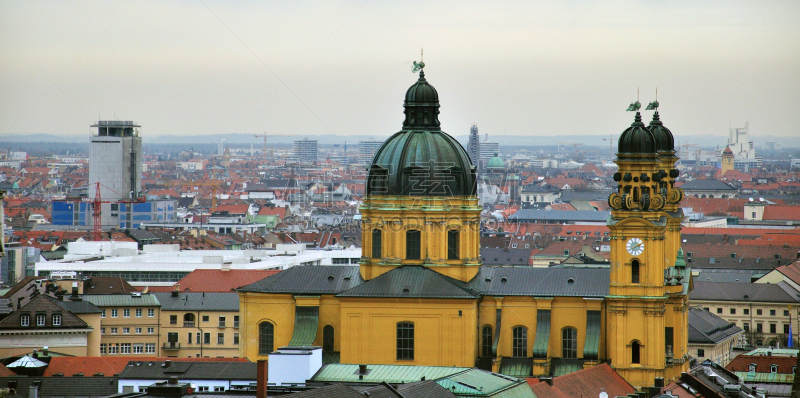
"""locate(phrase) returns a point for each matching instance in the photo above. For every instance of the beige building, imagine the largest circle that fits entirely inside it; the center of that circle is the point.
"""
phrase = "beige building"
(199, 324)
(129, 323)
(764, 311)
(711, 337)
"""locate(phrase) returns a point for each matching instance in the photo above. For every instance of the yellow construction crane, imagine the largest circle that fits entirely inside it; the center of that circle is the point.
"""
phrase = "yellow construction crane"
(264, 149)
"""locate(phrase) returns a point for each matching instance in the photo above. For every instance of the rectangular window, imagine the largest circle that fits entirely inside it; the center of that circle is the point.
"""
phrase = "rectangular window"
(785, 328)
(376, 243)
(189, 338)
(113, 330)
(220, 338)
(746, 311)
(222, 321)
(102, 330)
(733, 311)
(114, 313)
(172, 337)
(758, 312)
(219, 389)
(785, 312)
(760, 328)
(113, 349)
(103, 314)
(236, 321)
(746, 326)
(206, 338)
(151, 312)
(151, 330)
(173, 319)
(150, 348)
(138, 312)
(138, 348)
(41, 319)
(413, 244)
(519, 342)
(126, 330)
(452, 245)
(719, 310)
(103, 348)
(569, 343)
(25, 320)
(772, 312)
(126, 313)
(405, 341)
(138, 330)
(56, 319)
(205, 318)
(669, 339)
(773, 328)
(202, 388)
(236, 338)
(635, 271)
(701, 353)
(125, 348)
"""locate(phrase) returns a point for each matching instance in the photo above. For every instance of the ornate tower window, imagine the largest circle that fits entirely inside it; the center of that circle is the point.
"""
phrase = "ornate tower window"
(376, 243)
(519, 342)
(266, 334)
(569, 343)
(413, 243)
(452, 245)
(635, 271)
(486, 341)
(405, 340)
(635, 354)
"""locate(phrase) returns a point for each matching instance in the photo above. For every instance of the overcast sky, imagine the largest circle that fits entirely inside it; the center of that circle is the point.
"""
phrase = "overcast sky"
(342, 67)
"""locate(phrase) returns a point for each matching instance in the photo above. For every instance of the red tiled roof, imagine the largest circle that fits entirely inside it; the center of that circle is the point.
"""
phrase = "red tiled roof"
(791, 271)
(112, 365)
(787, 212)
(762, 362)
(215, 280)
(676, 390)
(232, 208)
(586, 382)
(272, 211)
(6, 372)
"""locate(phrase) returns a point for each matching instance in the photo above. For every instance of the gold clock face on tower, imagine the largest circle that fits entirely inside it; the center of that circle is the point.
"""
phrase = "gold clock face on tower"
(635, 246)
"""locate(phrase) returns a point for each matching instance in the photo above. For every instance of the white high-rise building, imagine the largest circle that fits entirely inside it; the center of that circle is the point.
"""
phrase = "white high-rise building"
(306, 150)
(115, 160)
(474, 145)
(367, 149)
(744, 152)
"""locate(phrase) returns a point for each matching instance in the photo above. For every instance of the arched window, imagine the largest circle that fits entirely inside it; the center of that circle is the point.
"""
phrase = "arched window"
(376, 243)
(266, 335)
(405, 340)
(486, 341)
(635, 271)
(519, 342)
(327, 339)
(188, 320)
(452, 245)
(413, 243)
(569, 343)
(635, 354)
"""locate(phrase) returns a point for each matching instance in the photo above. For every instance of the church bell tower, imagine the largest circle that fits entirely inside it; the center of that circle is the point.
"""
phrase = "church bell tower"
(646, 310)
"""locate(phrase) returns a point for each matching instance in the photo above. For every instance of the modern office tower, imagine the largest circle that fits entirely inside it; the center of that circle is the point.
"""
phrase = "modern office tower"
(115, 160)
(474, 145)
(488, 150)
(744, 151)
(367, 149)
(305, 150)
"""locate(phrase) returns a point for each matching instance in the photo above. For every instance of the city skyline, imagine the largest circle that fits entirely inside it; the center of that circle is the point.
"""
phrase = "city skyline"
(540, 69)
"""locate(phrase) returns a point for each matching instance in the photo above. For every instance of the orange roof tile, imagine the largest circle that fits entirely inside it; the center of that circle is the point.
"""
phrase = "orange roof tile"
(585, 382)
(112, 365)
(216, 280)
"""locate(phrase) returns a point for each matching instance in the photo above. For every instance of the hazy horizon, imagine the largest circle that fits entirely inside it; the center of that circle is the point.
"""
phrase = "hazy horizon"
(302, 68)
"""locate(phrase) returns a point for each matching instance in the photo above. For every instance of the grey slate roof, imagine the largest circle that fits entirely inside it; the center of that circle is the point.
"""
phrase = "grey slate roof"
(309, 279)
(559, 215)
(727, 275)
(526, 281)
(413, 281)
(707, 185)
(732, 291)
(707, 328)
(122, 300)
(78, 307)
(155, 370)
(88, 386)
(503, 256)
(198, 301)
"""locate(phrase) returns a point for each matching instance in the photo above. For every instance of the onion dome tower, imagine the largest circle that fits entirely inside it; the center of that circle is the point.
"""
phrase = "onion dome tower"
(646, 309)
(421, 205)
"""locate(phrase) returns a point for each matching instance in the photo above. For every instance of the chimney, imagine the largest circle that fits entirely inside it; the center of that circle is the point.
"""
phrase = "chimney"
(362, 369)
(167, 363)
(33, 390)
(548, 380)
(44, 350)
(261, 379)
(173, 380)
(74, 289)
(226, 266)
(659, 382)
(176, 289)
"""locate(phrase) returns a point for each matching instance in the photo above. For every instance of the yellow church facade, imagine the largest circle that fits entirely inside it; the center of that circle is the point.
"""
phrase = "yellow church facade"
(420, 295)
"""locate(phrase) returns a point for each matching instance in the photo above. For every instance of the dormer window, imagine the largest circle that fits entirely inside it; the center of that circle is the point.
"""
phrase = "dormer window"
(751, 368)
(773, 368)
(56, 319)
(41, 319)
(25, 320)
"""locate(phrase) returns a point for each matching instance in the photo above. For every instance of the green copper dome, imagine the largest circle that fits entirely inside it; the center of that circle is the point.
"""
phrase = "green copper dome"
(665, 142)
(636, 139)
(421, 159)
(495, 163)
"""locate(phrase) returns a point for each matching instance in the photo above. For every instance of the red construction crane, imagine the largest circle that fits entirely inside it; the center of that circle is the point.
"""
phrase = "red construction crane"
(97, 227)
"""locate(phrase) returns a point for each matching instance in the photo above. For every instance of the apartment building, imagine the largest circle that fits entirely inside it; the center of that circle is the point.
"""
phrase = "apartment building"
(199, 324)
(129, 323)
